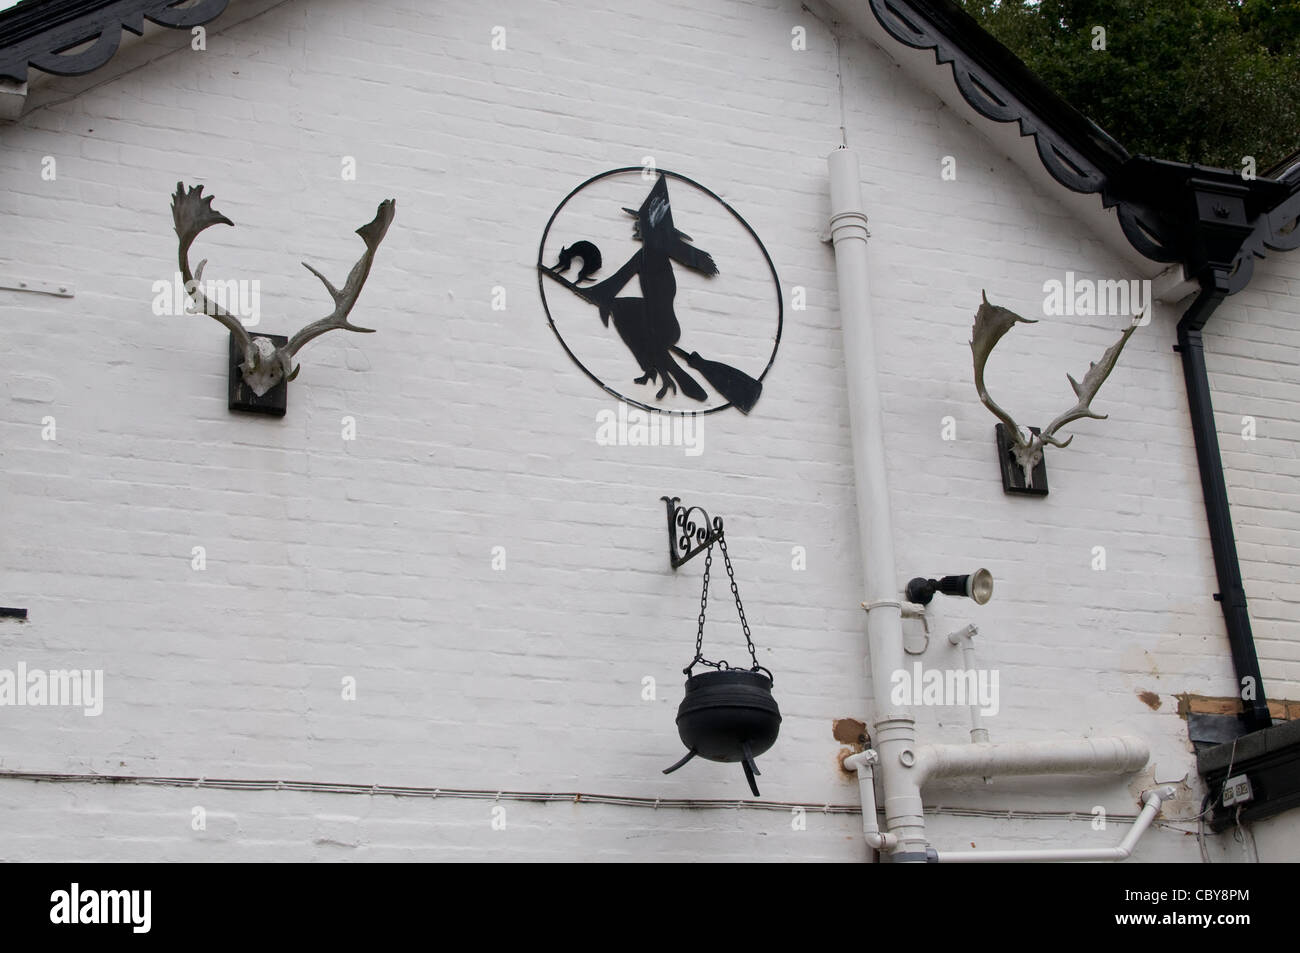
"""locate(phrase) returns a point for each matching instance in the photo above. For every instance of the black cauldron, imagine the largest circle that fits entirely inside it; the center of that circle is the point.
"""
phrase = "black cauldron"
(728, 715)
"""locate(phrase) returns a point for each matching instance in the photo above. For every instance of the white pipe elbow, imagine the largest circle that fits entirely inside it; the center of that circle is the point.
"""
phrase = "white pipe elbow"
(864, 763)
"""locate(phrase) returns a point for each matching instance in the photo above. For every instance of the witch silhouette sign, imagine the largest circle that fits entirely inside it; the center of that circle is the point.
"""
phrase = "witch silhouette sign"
(667, 298)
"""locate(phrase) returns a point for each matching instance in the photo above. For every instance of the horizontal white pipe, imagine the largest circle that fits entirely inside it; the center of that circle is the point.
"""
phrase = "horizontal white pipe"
(1088, 756)
(1125, 850)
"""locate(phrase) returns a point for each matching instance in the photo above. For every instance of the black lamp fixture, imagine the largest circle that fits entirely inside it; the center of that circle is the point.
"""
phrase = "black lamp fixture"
(978, 586)
(727, 714)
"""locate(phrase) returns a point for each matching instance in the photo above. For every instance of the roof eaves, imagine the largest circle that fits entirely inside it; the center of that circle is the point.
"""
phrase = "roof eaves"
(37, 32)
(1167, 210)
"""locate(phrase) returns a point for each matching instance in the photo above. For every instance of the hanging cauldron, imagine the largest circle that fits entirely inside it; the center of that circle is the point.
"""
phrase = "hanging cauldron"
(727, 714)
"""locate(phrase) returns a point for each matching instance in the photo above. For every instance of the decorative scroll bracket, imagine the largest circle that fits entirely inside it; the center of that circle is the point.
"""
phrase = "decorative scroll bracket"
(686, 538)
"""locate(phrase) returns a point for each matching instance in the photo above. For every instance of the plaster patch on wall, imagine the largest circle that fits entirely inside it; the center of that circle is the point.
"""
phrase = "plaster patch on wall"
(850, 732)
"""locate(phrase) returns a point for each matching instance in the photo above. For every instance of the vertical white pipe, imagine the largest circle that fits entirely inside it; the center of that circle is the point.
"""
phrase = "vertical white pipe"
(979, 735)
(862, 763)
(894, 729)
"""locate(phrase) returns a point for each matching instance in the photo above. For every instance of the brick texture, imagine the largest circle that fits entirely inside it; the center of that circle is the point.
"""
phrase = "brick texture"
(371, 559)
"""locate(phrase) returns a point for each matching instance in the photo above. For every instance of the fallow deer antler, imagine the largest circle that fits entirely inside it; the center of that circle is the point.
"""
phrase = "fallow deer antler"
(264, 364)
(1098, 371)
(372, 234)
(192, 213)
(991, 323)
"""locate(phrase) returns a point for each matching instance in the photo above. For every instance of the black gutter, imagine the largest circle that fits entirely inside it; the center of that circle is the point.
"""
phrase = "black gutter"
(1232, 593)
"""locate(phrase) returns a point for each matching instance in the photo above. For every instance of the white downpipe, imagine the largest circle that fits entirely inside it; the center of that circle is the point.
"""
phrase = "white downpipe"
(979, 735)
(905, 767)
(1151, 802)
(893, 730)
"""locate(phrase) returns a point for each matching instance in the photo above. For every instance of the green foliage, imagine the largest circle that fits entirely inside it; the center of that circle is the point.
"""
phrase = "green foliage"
(1207, 81)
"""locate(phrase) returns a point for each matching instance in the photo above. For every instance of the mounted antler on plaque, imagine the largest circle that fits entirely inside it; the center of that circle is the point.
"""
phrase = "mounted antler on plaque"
(1023, 446)
(265, 362)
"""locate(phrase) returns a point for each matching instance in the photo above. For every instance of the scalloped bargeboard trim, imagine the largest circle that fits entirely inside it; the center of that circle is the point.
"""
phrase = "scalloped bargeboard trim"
(40, 38)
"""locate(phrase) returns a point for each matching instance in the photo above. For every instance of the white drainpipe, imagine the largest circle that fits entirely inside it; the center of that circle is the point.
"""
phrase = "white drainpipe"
(893, 732)
(1087, 756)
(966, 639)
(905, 766)
(1103, 755)
(1151, 802)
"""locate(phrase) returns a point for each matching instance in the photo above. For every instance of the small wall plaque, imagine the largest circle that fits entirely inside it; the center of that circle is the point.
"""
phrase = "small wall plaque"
(1013, 476)
(273, 402)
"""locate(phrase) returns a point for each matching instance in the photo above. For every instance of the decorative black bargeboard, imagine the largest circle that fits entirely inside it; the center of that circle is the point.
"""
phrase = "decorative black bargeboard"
(733, 308)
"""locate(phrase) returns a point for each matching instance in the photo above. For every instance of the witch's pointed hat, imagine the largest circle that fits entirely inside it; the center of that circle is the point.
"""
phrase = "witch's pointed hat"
(656, 213)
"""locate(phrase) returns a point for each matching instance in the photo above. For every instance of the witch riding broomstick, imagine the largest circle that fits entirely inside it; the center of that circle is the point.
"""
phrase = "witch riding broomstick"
(648, 325)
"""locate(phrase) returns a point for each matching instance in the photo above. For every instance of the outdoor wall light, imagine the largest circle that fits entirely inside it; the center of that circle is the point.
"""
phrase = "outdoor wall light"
(978, 586)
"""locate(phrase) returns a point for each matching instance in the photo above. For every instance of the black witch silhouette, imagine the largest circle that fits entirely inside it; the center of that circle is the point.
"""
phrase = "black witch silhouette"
(648, 325)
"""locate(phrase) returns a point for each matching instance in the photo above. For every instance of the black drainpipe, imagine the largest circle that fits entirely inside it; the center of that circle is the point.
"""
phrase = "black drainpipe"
(1231, 594)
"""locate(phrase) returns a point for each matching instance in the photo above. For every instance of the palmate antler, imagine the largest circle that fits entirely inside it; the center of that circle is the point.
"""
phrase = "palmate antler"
(991, 323)
(264, 364)
(1098, 371)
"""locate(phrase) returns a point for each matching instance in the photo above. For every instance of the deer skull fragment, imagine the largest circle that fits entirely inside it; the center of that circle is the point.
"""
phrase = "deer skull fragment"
(991, 323)
(265, 365)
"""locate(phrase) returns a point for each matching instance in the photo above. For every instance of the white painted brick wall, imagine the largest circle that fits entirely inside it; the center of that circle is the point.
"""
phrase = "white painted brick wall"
(371, 558)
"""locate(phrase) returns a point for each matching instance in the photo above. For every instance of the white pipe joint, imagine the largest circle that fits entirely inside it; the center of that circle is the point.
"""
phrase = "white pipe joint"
(964, 636)
(864, 764)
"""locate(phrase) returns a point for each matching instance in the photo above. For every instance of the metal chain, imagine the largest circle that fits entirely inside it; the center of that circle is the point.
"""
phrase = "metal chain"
(731, 573)
(704, 601)
(699, 635)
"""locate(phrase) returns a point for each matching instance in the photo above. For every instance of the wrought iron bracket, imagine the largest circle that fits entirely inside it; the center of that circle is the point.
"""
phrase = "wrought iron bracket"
(686, 538)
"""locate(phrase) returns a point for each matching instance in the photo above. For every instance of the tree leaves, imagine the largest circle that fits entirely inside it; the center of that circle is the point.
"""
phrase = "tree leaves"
(1206, 81)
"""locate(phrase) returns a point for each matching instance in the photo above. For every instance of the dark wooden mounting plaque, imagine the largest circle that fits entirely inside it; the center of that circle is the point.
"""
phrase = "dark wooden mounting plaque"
(273, 402)
(1013, 478)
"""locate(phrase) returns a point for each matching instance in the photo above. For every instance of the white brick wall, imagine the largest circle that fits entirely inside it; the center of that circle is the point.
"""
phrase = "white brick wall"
(371, 558)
